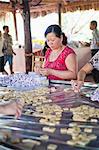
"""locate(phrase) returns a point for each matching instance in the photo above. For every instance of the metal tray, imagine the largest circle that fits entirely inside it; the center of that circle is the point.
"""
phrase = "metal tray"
(30, 127)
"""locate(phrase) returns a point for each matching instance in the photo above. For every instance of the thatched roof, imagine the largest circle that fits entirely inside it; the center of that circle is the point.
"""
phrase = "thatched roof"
(43, 7)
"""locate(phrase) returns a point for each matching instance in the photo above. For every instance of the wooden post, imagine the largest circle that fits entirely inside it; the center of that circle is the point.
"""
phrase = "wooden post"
(27, 32)
(15, 24)
(59, 13)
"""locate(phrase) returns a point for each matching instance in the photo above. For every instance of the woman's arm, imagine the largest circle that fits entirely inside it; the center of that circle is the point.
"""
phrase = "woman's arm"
(77, 84)
(84, 71)
(70, 73)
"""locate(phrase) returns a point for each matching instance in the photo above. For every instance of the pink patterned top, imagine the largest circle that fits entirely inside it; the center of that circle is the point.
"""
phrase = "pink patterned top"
(59, 63)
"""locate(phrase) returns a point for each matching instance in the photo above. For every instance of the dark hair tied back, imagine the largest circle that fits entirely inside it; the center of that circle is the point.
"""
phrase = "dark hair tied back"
(64, 42)
(56, 29)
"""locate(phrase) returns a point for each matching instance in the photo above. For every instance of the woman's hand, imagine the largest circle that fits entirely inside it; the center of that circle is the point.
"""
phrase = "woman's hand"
(14, 108)
(76, 85)
(45, 71)
(37, 67)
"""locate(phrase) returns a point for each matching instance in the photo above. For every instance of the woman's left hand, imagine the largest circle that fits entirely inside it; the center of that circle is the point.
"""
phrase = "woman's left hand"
(45, 71)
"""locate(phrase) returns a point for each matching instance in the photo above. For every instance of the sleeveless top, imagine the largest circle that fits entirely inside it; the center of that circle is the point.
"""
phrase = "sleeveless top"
(59, 63)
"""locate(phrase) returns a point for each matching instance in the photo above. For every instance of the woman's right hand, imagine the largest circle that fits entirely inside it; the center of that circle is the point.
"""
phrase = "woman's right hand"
(76, 85)
(37, 67)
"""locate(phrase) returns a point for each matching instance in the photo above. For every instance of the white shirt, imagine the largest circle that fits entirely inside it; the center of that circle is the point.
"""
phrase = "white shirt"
(95, 39)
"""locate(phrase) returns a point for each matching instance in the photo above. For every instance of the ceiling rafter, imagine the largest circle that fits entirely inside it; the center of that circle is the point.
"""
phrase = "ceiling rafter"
(45, 6)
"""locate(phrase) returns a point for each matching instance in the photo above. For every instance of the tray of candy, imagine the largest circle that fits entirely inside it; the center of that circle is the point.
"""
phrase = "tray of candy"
(62, 98)
(36, 119)
(87, 89)
(60, 134)
(68, 83)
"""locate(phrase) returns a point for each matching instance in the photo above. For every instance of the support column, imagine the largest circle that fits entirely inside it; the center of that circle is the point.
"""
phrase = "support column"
(15, 24)
(27, 32)
(59, 13)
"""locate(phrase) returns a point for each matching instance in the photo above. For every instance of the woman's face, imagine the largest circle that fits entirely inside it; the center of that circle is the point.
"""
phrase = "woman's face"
(53, 41)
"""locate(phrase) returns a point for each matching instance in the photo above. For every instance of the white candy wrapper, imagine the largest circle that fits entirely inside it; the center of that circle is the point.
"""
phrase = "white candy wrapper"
(95, 95)
(24, 81)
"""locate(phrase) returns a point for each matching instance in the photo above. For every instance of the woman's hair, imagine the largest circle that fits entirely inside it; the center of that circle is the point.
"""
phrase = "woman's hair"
(45, 48)
(56, 29)
(64, 42)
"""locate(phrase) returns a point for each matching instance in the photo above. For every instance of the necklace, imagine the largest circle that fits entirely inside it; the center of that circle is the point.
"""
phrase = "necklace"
(55, 53)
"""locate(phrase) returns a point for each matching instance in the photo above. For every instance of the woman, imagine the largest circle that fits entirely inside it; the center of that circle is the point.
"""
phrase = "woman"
(60, 60)
(93, 66)
(1, 54)
(12, 108)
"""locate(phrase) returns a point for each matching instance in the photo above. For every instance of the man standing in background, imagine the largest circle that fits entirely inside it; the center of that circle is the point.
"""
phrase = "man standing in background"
(7, 48)
(1, 54)
(95, 40)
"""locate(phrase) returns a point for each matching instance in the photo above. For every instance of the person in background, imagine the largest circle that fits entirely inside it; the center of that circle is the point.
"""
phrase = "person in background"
(60, 60)
(95, 40)
(7, 48)
(1, 54)
(93, 64)
(12, 108)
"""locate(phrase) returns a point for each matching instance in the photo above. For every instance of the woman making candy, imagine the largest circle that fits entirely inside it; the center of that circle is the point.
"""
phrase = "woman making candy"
(60, 60)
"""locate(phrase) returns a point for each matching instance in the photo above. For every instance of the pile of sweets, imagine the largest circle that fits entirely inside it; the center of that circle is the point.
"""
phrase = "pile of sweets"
(23, 81)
